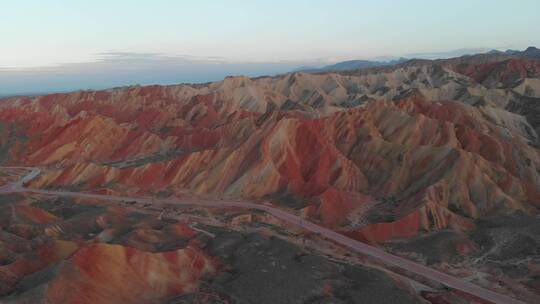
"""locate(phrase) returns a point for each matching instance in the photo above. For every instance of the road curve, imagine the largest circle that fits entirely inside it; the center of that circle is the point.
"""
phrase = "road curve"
(359, 247)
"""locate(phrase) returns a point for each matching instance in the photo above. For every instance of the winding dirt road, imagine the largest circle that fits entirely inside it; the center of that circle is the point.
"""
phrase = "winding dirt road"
(359, 247)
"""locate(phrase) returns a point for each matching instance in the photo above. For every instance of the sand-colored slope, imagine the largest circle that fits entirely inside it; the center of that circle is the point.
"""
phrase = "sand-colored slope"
(421, 146)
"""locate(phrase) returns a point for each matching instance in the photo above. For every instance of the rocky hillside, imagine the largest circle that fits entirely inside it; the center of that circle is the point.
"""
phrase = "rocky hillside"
(425, 146)
(418, 151)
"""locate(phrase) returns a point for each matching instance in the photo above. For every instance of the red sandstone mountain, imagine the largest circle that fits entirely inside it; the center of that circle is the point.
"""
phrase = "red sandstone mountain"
(381, 155)
(429, 160)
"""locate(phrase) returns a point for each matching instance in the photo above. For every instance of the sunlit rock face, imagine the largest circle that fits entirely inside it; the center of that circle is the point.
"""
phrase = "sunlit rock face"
(443, 153)
(64, 251)
(114, 274)
(382, 153)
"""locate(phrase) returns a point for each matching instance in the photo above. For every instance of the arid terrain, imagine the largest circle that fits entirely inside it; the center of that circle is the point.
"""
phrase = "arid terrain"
(434, 161)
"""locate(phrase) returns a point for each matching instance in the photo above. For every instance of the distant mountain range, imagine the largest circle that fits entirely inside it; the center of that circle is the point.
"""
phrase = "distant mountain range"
(352, 65)
(530, 52)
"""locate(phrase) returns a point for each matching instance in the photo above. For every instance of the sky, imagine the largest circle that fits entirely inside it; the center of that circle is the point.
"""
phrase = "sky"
(44, 39)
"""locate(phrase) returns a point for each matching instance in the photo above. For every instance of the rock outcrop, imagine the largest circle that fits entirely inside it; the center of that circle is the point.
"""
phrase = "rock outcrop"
(381, 154)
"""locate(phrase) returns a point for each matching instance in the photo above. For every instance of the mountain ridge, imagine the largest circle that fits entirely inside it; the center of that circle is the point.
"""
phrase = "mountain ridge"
(444, 151)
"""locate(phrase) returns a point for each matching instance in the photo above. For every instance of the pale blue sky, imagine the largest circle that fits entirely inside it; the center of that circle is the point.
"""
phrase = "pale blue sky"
(58, 45)
(37, 33)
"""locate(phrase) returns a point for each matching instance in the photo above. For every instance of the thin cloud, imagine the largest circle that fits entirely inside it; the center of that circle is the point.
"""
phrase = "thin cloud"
(112, 69)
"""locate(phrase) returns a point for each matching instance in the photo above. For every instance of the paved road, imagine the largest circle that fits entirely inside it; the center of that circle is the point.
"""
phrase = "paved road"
(359, 247)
